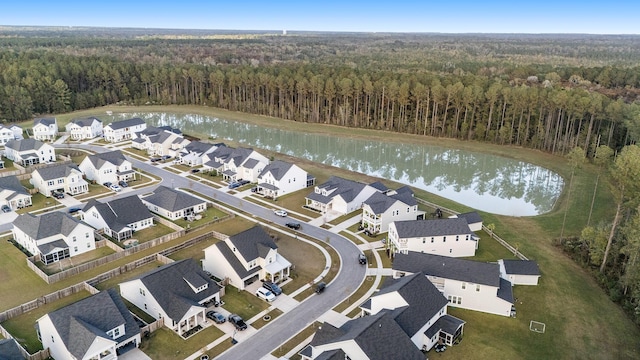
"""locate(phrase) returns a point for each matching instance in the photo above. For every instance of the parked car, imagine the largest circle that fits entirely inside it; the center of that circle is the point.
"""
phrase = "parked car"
(362, 259)
(440, 347)
(6, 209)
(58, 195)
(293, 225)
(216, 316)
(74, 210)
(166, 157)
(234, 185)
(271, 286)
(265, 294)
(193, 171)
(155, 159)
(107, 184)
(243, 182)
(237, 322)
(254, 189)
(280, 213)
(115, 188)
(123, 183)
(320, 287)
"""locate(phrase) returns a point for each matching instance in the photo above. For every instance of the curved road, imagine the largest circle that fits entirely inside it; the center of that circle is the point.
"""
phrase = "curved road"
(348, 279)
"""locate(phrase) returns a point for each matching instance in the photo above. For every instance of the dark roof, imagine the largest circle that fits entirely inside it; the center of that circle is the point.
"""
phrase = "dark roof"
(198, 147)
(239, 155)
(424, 301)
(80, 323)
(12, 183)
(170, 286)
(472, 217)
(121, 212)
(250, 163)
(10, 350)
(347, 189)
(437, 227)
(114, 157)
(505, 292)
(253, 243)
(172, 200)
(46, 249)
(475, 272)
(378, 185)
(57, 171)
(222, 152)
(277, 169)
(85, 121)
(521, 267)
(46, 225)
(126, 123)
(446, 323)
(44, 121)
(337, 354)
(234, 262)
(379, 202)
(24, 145)
(379, 337)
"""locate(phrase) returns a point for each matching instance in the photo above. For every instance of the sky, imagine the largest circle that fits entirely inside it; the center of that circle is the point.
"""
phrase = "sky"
(453, 16)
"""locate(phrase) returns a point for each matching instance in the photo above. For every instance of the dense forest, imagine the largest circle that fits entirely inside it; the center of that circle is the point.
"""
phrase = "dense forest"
(577, 95)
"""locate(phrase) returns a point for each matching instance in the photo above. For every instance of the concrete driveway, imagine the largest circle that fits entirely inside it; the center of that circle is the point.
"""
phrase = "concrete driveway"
(134, 354)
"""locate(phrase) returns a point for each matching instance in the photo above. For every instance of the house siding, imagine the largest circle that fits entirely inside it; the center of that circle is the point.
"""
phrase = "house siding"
(454, 245)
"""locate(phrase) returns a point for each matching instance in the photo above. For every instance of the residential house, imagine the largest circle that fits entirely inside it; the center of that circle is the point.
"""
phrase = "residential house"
(380, 209)
(159, 141)
(176, 292)
(194, 152)
(118, 218)
(87, 128)
(53, 236)
(29, 151)
(173, 204)
(466, 284)
(18, 133)
(519, 272)
(214, 161)
(446, 237)
(473, 219)
(123, 130)
(64, 177)
(237, 164)
(45, 129)
(6, 134)
(246, 257)
(280, 178)
(96, 327)
(11, 350)
(110, 167)
(339, 196)
(13, 194)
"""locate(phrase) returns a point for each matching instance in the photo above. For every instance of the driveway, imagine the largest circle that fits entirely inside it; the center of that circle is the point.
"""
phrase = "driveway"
(134, 354)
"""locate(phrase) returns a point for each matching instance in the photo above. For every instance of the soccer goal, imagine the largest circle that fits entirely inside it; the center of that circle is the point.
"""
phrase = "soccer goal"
(537, 326)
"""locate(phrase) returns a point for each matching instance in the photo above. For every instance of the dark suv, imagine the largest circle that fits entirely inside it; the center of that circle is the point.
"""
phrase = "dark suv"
(292, 225)
(275, 289)
(362, 259)
(237, 322)
(58, 195)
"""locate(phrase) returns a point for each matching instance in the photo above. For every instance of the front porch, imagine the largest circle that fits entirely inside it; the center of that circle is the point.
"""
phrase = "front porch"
(229, 175)
(317, 206)
(20, 202)
(267, 190)
(78, 188)
(279, 270)
(191, 325)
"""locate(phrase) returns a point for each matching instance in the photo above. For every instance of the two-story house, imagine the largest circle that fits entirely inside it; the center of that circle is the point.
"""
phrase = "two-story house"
(473, 219)
(110, 167)
(519, 272)
(380, 209)
(13, 194)
(194, 153)
(240, 164)
(94, 328)
(6, 134)
(64, 178)
(87, 128)
(173, 204)
(214, 161)
(45, 129)
(176, 292)
(53, 236)
(466, 284)
(160, 141)
(123, 130)
(447, 237)
(246, 257)
(280, 178)
(29, 152)
(118, 218)
(339, 196)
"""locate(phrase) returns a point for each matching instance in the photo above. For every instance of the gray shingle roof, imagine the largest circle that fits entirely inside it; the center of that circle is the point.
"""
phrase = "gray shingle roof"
(475, 272)
(253, 243)
(126, 123)
(85, 121)
(347, 189)
(237, 266)
(12, 183)
(46, 249)
(114, 157)
(222, 153)
(471, 217)
(379, 202)
(80, 323)
(44, 121)
(57, 171)
(239, 155)
(198, 147)
(447, 323)
(250, 163)
(427, 228)
(172, 200)
(121, 212)
(169, 285)
(521, 267)
(505, 292)
(277, 169)
(24, 145)
(378, 185)
(10, 350)
(46, 225)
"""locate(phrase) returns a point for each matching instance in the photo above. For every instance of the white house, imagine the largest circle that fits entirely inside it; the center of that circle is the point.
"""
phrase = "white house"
(245, 258)
(6, 134)
(64, 177)
(236, 164)
(160, 141)
(176, 292)
(380, 209)
(18, 133)
(45, 129)
(96, 327)
(123, 130)
(473, 219)
(173, 204)
(280, 178)
(119, 218)
(13, 194)
(29, 151)
(193, 154)
(54, 236)
(339, 196)
(466, 284)
(519, 272)
(110, 167)
(87, 128)
(446, 237)
(214, 161)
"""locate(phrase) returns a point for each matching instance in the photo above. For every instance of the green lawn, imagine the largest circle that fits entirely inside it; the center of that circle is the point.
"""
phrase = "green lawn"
(39, 202)
(138, 312)
(293, 202)
(164, 344)
(94, 190)
(346, 217)
(273, 314)
(153, 232)
(211, 214)
(27, 184)
(307, 260)
(113, 282)
(283, 349)
(243, 303)
(75, 261)
(195, 252)
(8, 164)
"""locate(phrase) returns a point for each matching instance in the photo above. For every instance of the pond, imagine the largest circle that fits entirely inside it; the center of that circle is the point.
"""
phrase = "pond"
(485, 182)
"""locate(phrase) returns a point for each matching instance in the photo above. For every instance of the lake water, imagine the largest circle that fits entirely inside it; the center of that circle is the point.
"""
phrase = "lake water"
(485, 182)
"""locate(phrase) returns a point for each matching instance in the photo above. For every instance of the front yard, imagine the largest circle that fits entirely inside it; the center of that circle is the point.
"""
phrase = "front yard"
(39, 202)
(164, 344)
(243, 303)
(209, 215)
(307, 260)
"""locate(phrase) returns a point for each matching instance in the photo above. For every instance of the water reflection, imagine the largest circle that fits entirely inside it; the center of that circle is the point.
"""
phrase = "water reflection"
(485, 182)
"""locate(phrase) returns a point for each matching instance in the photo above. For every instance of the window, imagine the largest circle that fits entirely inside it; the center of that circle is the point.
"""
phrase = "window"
(75, 248)
(52, 339)
(432, 239)
(145, 306)
(444, 239)
(116, 332)
(142, 292)
(456, 237)
(477, 288)
(464, 285)
(424, 241)
(74, 239)
(88, 245)
(86, 235)
(450, 251)
(455, 299)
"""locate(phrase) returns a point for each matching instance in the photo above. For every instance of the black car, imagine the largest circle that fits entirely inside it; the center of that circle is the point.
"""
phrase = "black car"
(216, 316)
(362, 259)
(6, 208)
(58, 195)
(275, 289)
(74, 210)
(166, 157)
(193, 171)
(320, 287)
(243, 182)
(107, 184)
(123, 183)
(292, 225)
(237, 322)
(155, 159)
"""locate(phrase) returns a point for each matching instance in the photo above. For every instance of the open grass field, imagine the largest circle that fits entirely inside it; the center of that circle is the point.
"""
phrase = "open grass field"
(307, 260)
(164, 344)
